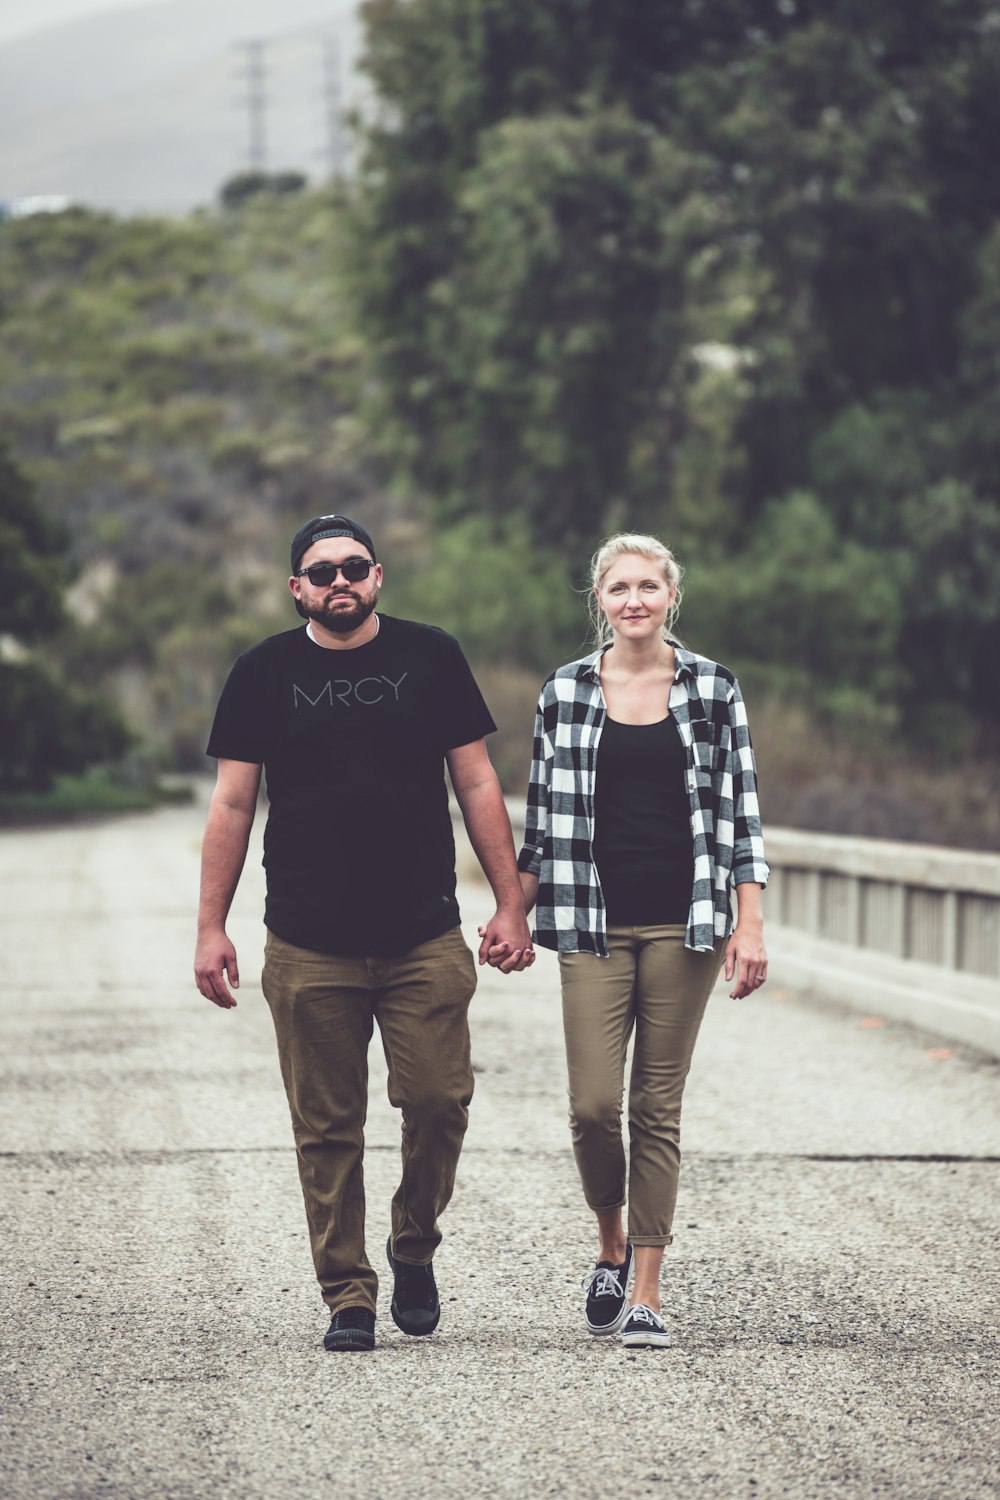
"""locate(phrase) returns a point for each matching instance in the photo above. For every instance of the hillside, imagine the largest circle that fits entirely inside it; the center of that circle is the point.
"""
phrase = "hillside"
(181, 395)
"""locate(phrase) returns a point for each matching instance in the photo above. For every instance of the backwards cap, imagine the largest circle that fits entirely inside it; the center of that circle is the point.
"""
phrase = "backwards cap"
(324, 526)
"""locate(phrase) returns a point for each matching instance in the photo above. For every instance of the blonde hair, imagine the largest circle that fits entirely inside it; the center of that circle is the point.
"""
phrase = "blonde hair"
(624, 544)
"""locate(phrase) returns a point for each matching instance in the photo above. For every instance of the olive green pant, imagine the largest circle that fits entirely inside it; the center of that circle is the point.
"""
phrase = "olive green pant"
(324, 1009)
(652, 984)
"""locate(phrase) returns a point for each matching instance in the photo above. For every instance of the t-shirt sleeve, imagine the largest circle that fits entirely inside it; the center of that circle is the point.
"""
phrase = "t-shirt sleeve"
(240, 728)
(464, 716)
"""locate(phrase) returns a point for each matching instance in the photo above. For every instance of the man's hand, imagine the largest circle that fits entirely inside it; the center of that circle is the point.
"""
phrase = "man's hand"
(506, 942)
(215, 957)
(506, 939)
(223, 850)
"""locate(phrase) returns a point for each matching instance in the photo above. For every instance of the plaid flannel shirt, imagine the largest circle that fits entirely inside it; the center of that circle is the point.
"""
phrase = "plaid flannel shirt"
(706, 704)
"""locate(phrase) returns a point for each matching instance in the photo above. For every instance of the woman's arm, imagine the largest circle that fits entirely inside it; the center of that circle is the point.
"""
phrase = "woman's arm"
(536, 812)
(749, 864)
(746, 955)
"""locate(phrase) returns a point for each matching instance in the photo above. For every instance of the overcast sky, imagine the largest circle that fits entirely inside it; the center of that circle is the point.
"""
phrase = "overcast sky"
(20, 16)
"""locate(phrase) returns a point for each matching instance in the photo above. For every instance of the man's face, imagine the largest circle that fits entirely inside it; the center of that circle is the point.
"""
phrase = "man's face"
(339, 606)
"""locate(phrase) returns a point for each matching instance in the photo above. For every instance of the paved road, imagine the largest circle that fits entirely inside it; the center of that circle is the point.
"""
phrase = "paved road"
(831, 1291)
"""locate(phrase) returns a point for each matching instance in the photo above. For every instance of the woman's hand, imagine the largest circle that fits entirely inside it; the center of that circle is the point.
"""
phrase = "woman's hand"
(501, 955)
(746, 958)
(508, 960)
(506, 941)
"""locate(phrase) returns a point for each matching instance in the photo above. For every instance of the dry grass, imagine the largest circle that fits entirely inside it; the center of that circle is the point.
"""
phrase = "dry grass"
(815, 778)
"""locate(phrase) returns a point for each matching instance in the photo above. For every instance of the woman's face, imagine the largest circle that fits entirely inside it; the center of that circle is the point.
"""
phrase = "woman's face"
(635, 596)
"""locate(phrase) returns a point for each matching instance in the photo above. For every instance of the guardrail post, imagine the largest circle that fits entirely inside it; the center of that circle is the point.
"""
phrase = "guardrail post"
(901, 937)
(854, 911)
(814, 901)
(949, 930)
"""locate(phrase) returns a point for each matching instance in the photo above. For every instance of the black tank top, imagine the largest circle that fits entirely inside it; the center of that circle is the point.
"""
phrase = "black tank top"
(643, 847)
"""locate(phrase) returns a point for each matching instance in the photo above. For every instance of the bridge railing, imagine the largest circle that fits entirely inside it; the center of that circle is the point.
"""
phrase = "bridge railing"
(930, 905)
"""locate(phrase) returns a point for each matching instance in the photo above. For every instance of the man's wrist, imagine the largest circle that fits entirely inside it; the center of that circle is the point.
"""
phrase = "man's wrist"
(510, 901)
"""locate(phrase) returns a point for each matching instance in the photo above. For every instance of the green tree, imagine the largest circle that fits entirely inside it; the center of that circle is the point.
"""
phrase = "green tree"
(521, 246)
(572, 273)
(236, 190)
(842, 154)
(950, 644)
(47, 724)
(801, 612)
(33, 572)
(509, 601)
(728, 270)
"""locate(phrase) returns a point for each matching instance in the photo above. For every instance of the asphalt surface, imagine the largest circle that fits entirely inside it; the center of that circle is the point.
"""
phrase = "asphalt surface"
(831, 1291)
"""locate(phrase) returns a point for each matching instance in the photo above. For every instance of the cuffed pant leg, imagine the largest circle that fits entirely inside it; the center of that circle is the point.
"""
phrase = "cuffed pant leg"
(673, 984)
(322, 1012)
(597, 1022)
(422, 1009)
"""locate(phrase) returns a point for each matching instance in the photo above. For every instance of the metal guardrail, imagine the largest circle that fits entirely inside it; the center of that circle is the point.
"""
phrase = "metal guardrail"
(909, 901)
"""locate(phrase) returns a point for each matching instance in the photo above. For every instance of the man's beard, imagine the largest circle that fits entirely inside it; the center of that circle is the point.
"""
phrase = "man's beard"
(337, 617)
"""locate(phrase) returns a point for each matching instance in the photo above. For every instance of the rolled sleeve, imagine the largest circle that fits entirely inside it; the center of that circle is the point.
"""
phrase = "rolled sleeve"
(536, 813)
(749, 863)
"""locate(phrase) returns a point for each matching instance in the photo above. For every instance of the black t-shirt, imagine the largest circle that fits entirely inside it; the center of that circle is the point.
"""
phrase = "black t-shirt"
(643, 847)
(358, 847)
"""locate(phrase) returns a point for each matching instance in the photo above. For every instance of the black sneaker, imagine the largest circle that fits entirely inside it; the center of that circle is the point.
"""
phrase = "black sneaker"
(644, 1329)
(351, 1328)
(607, 1294)
(416, 1308)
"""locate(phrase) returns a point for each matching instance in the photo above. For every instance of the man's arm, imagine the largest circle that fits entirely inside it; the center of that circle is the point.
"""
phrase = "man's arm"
(481, 800)
(223, 851)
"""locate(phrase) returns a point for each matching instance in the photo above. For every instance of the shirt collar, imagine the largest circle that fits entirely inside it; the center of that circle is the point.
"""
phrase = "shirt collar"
(588, 668)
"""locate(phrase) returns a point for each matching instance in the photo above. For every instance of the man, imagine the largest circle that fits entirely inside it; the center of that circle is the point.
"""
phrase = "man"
(353, 718)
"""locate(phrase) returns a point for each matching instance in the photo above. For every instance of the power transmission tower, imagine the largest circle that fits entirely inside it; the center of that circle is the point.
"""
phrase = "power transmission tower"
(255, 77)
(333, 106)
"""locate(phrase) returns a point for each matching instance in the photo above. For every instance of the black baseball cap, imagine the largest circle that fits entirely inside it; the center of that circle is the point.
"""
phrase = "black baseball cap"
(324, 526)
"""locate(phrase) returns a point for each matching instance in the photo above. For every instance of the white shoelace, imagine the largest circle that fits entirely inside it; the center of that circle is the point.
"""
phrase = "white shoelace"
(640, 1313)
(605, 1283)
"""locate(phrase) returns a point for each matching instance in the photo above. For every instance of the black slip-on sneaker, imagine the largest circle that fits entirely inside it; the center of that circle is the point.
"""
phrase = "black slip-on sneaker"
(416, 1307)
(351, 1328)
(607, 1294)
(644, 1328)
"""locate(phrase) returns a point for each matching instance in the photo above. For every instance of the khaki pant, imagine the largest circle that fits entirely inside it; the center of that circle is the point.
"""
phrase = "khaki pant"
(650, 983)
(324, 1009)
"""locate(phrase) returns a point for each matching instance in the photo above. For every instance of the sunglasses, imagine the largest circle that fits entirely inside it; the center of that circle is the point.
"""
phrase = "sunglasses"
(322, 573)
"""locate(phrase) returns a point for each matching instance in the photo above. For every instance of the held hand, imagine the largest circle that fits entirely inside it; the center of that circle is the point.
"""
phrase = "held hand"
(214, 958)
(506, 943)
(746, 958)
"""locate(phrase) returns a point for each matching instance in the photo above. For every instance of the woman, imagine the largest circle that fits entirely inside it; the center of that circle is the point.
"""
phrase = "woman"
(642, 812)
